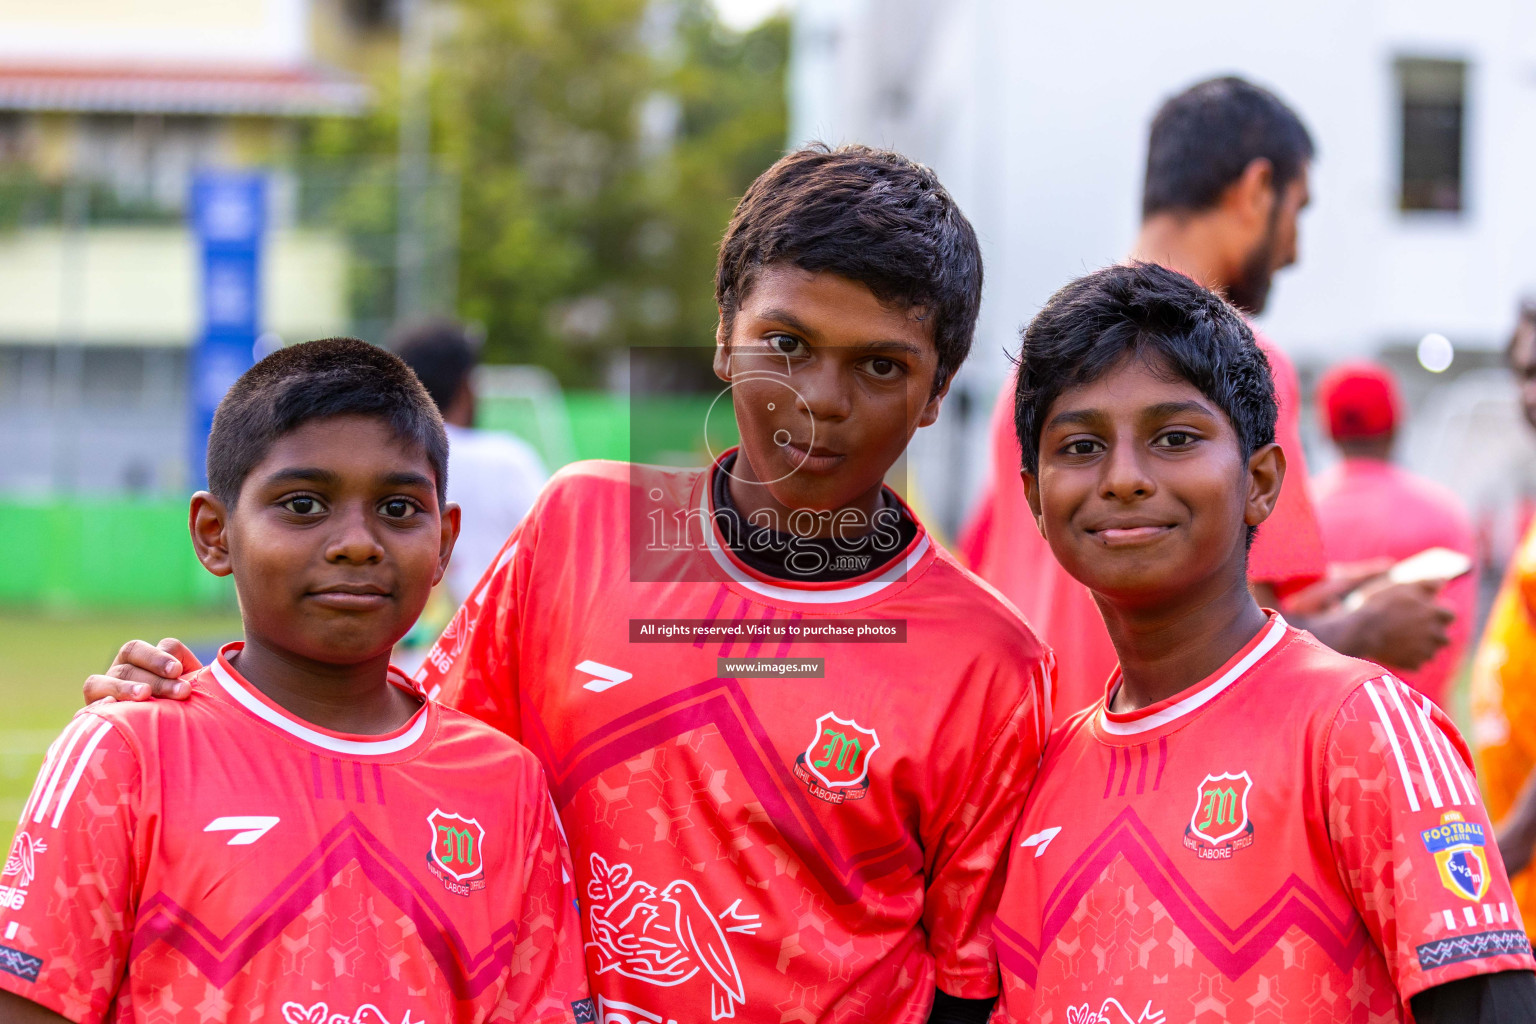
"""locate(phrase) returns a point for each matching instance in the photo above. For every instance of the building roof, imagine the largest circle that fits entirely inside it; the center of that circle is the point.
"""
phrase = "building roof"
(180, 89)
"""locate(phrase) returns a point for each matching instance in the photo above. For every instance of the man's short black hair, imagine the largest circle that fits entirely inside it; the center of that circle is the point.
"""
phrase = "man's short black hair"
(441, 353)
(312, 381)
(1205, 137)
(1141, 309)
(871, 216)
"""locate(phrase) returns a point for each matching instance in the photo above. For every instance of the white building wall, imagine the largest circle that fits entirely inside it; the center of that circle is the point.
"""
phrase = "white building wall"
(1035, 115)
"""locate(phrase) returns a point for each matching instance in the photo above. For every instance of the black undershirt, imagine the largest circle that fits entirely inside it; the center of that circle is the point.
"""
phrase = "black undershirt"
(787, 556)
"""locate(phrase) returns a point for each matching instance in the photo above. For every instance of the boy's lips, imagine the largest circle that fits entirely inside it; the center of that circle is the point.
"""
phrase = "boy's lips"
(350, 596)
(1130, 533)
(814, 459)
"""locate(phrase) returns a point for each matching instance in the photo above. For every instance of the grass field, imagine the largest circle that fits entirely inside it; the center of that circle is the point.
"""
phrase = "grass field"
(43, 661)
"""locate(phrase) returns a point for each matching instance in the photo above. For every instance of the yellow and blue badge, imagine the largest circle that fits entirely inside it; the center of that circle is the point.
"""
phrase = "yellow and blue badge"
(1457, 845)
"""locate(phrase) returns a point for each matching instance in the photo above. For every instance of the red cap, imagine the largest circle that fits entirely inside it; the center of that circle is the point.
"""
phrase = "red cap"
(1359, 400)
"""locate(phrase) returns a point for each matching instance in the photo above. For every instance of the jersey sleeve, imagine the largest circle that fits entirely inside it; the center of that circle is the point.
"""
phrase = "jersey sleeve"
(548, 975)
(966, 846)
(473, 666)
(71, 877)
(1413, 843)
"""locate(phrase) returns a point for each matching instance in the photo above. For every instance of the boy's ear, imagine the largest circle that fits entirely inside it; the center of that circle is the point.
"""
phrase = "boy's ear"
(208, 522)
(722, 350)
(446, 538)
(1266, 472)
(1032, 495)
(930, 411)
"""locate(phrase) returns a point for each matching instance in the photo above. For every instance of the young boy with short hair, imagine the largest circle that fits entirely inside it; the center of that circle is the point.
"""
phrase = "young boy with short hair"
(750, 845)
(1247, 825)
(307, 839)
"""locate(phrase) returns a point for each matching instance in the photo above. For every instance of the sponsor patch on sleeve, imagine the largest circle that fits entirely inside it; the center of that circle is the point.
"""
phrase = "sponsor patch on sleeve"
(24, 965)
(1475, 946)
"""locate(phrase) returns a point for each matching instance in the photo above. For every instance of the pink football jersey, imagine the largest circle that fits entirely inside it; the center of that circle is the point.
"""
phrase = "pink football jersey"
(1297, 838)
(220, 859)
(752, 847)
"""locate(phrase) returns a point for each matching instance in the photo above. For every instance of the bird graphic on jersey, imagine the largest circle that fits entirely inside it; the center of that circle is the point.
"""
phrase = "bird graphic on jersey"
(661, 937)
(22, 860)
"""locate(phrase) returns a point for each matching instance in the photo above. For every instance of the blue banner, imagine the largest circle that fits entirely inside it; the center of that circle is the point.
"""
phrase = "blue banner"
(228, 214)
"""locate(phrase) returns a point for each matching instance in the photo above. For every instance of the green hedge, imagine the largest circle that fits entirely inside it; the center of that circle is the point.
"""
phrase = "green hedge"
(126, 553)
(102, 553)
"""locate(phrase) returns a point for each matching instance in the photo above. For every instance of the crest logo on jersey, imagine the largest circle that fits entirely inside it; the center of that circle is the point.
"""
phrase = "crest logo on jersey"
(1220, 824)
(457, 853)
(835, 765)
(1457, 845)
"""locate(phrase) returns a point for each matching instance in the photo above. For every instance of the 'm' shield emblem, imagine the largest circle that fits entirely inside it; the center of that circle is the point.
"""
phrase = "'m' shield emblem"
(1221, 807)
(839, 753)
(457, 845)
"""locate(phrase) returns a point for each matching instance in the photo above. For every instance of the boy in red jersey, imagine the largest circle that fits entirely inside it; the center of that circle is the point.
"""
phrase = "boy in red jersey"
(1247, 826)
(306, 840)
(751, 846)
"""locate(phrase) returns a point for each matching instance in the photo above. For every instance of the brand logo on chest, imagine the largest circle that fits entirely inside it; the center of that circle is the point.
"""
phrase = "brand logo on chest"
(1219, 826)
(457, 853)
(835, 765)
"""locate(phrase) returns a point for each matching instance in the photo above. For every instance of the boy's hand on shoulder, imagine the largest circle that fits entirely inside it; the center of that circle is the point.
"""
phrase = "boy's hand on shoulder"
(142, 670)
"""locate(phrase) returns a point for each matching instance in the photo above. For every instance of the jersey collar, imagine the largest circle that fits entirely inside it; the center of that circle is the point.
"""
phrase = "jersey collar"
(1187, 702)
(820, 596)
(406, 739)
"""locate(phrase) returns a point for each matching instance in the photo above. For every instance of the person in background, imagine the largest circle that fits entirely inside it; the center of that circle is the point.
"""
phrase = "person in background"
(1504, 675)
(1227, 170)
(492, 476)
(1373, 513)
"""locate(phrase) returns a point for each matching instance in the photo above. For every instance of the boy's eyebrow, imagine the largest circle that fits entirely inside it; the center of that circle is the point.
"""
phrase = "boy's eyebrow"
(1166, 410)
(1077, 417)
(788, 319)
(310, 474)
(406, 479)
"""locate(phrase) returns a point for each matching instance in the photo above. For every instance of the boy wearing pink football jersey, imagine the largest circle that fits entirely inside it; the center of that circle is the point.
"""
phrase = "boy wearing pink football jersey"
(787, 733)
(1246, 826)
(307, 839)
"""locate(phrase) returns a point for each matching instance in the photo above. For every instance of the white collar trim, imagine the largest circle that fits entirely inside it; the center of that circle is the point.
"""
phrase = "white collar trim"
(833, 595)
(1194, 701)
(248, 700)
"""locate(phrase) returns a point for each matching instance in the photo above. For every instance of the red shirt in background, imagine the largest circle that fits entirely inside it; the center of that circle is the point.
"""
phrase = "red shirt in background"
(1369, 509)
(1003, 545)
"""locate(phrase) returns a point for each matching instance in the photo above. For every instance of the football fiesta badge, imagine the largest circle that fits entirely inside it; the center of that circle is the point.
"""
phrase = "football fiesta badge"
(457, 853)
(1220, 826)
(1457, 845)
(835, 765)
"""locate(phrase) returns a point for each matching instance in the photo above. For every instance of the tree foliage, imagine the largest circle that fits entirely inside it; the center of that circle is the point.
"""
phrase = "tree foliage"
(600, 146)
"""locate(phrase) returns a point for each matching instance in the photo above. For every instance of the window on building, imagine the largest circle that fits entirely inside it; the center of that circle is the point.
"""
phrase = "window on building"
(1434, 114)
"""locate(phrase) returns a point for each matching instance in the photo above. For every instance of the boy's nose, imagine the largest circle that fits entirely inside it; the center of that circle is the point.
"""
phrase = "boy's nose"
(1125, 474)
(821, 391)
(354, 539)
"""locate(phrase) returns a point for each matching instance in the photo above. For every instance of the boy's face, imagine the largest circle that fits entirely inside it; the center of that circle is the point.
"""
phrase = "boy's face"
(828, 383)
(1143, 492)
(335, 542)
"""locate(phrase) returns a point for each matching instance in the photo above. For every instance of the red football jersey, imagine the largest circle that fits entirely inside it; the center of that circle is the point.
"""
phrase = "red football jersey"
(760, 849)
(220, 859)
(1004, 546)
(1297, 838)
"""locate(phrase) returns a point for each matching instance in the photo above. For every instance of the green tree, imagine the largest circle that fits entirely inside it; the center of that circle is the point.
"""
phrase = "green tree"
(600, 146)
